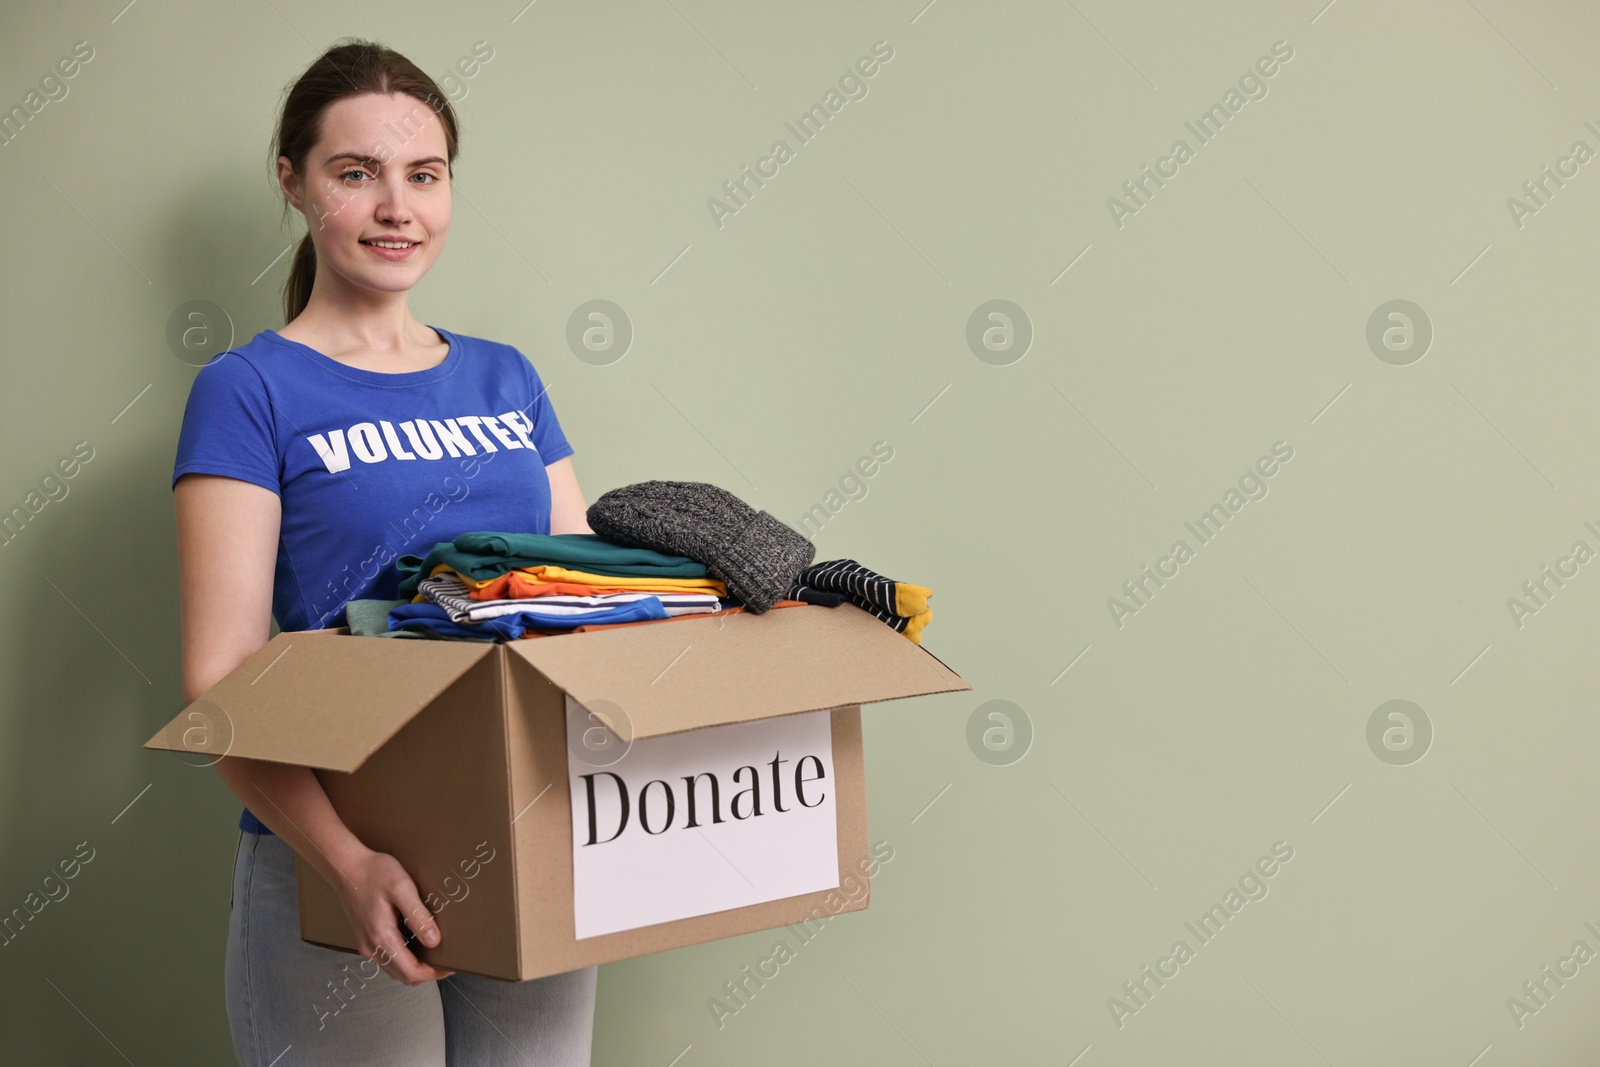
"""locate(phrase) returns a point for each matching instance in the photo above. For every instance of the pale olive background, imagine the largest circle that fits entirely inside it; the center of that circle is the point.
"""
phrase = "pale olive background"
(830, 313)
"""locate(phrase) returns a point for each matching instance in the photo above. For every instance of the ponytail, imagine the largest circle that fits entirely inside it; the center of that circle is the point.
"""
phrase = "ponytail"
(302, 274)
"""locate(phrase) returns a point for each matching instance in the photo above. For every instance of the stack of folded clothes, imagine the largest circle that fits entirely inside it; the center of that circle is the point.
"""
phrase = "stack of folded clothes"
(660, 551)
(490, 585)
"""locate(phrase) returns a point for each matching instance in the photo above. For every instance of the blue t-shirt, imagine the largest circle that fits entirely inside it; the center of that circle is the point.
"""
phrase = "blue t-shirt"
(371, 466)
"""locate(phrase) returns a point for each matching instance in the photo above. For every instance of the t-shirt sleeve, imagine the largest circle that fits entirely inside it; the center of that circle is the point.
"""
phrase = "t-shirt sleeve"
(228, 428)
(546, 433)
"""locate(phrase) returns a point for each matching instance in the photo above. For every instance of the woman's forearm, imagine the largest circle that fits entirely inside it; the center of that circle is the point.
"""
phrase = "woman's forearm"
(294, 806)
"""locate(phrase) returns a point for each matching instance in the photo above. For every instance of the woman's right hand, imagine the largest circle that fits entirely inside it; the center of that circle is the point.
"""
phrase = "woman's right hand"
(382, 892)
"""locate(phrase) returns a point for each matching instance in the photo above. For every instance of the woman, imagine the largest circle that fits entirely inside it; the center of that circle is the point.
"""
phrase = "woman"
(309, 459)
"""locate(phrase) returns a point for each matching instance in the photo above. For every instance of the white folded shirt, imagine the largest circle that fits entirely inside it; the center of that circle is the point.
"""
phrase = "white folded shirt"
(562, 604)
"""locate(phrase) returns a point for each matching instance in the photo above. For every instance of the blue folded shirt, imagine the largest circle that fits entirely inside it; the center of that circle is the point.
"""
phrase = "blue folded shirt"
(435, 619)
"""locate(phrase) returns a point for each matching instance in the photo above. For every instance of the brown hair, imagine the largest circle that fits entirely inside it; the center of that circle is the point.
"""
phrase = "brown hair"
(350, 68)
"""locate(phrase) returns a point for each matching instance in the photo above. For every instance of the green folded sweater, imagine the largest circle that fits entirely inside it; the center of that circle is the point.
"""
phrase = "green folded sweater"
(484, 555)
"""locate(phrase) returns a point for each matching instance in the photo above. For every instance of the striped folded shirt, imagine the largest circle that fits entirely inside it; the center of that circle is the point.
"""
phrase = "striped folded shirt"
(452, 594)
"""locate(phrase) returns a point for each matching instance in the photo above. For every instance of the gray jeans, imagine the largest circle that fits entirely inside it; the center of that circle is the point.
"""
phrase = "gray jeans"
(291, 1003)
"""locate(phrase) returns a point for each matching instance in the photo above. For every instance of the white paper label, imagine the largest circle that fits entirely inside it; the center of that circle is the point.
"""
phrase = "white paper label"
(759, 823)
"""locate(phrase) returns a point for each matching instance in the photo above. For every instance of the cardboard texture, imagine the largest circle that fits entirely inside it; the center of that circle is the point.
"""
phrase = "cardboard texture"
(453, 757)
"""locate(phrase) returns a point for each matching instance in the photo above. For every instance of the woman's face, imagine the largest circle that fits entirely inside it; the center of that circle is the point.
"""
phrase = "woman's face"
(378, 173)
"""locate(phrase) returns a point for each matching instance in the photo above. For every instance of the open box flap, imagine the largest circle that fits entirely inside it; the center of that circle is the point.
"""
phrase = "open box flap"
(694, 672)
(318, 698)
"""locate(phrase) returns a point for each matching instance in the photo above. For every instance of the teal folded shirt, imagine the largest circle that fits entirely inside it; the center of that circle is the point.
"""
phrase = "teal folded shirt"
(484, 555)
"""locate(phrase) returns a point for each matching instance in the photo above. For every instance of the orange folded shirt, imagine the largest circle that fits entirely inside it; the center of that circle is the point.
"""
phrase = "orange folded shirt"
(549, 579)
(502, 588)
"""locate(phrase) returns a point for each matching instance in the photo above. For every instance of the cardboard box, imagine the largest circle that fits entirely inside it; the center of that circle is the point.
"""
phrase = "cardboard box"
(455, 757)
